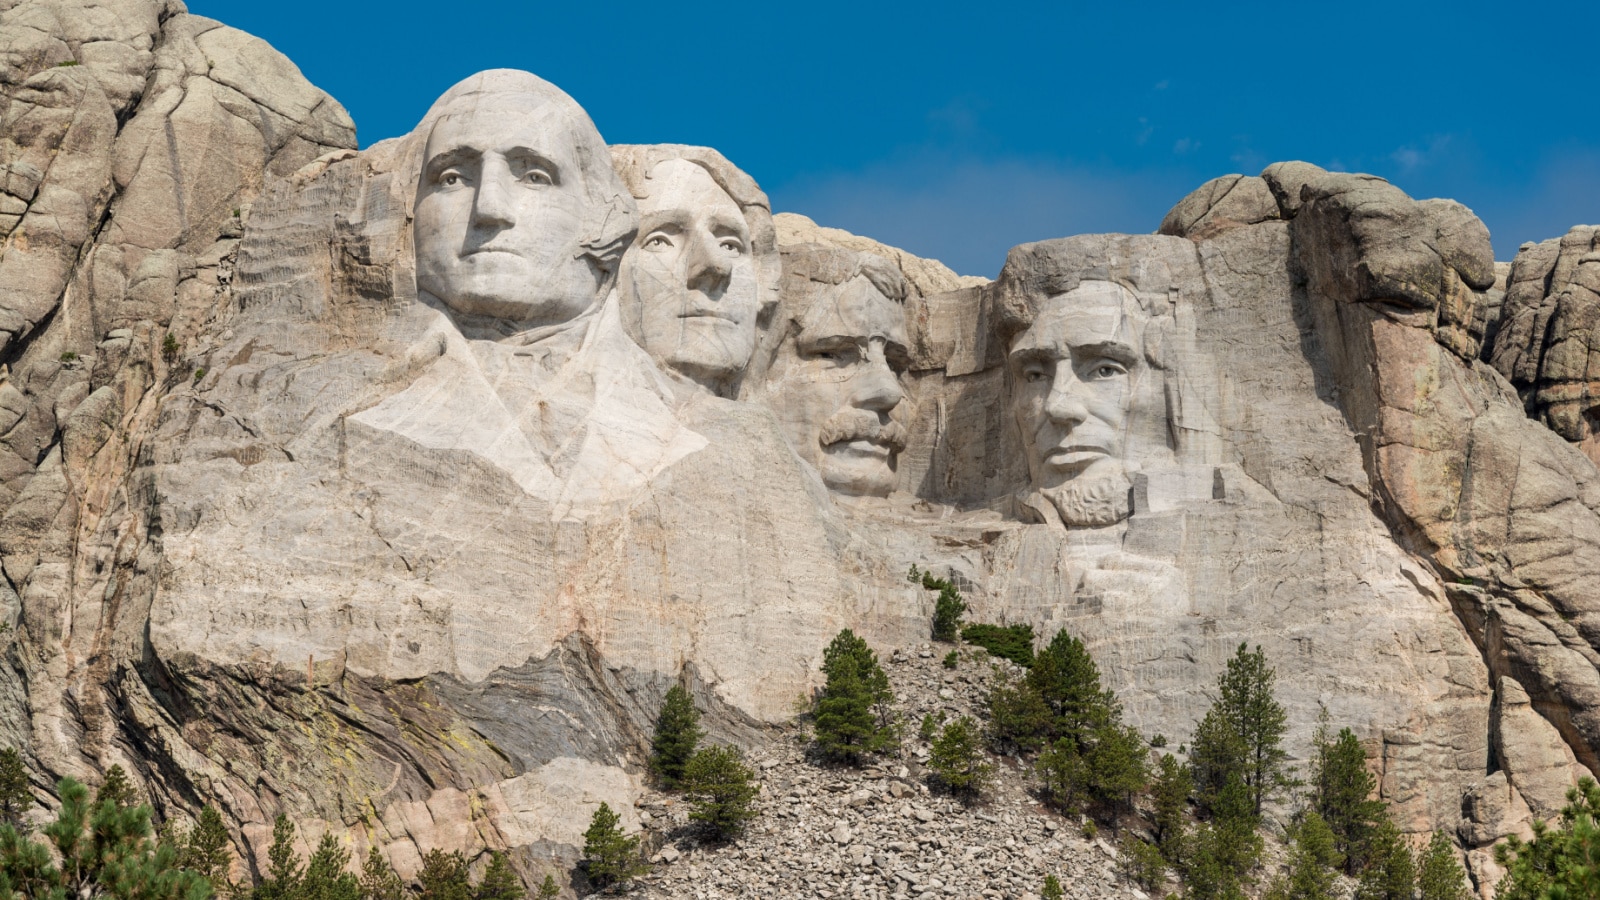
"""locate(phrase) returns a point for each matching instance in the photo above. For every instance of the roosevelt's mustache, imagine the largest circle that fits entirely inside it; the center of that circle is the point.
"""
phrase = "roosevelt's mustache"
(862, 425)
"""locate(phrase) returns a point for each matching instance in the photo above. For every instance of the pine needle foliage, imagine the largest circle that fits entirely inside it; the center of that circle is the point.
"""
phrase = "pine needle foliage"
(677, 735)
(15, 797)
(499, 881)
(1441, 877)
(1561, 862)
(853, 714)
(1242, 734)
(378, 878)
(957, 760)
(610, 858)
(722, 790)
(1390, 873)
(1342, 793)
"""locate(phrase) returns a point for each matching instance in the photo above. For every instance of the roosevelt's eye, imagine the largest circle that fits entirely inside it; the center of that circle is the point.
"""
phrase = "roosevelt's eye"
(836, 356)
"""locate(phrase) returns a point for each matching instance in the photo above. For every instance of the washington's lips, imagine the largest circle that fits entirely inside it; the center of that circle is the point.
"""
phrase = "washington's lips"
(717, 314)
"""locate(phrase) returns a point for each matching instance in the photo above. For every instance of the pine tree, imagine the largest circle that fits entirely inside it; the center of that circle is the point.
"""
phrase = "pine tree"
(1064, 776)
(116, 789)
(15, 797)
(957, 761)
(1342, 794)
(610, 857)
(378, 878)
(444, 876)
(1390, 872)
(207, 849)
(1242, 733)
(499, 881)
(1018, 715)
(852, 714)
(1223, 851)
(284, 868)
(95, 850)
(1171, 795)
(1068, 681)
(1441, 877)
(1052, 889)
(677, 734)
(1119, 765)
(325, 877)
(1312, 855)
(721, 790)
(1560, 861)
(549, 890)
(947, 609)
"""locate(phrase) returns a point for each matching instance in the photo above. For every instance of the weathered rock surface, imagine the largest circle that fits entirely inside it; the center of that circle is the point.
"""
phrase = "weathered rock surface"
(289, 523)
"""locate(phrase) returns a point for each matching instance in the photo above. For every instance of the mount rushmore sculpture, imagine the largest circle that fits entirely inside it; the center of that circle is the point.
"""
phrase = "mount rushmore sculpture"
(397, 501)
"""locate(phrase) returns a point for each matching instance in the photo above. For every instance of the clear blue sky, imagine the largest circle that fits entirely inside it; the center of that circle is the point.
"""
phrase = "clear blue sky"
(958, 130)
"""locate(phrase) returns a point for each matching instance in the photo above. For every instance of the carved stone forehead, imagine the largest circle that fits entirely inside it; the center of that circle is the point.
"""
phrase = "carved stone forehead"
(1093, 313)
(855, 309)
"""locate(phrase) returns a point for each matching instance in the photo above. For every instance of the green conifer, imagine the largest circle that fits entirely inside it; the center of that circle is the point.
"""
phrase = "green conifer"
(444, 876)
(15, 797)
(116, 789)
(853, 715)
(957, 759)
(284, 866)
(947, 609)
(1312, 854)
(378, 878)
(1171, 796)
(721, 789)
(325, 877)
(549, 890)
(1390, 872)
(1440, 875)
(1342, 794)
(1242, 733)
(1052, 889)
(499, 881)
(610, 857)
(677, 734)
(207, 849)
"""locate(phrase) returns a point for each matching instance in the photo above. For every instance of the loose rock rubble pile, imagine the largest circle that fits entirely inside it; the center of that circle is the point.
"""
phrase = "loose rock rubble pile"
(878, 832)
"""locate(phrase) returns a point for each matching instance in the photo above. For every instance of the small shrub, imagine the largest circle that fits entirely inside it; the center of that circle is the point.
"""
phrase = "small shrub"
(499, 882)
(549, 890)
(952, 659)
(1018, 715)
(1052, 889)
(957, 759)
(1013, 642)
(444, 876)
(947, 609)
(1090, 830)
(69, 356)
(1141, 862)
(610, 857)
(63, 65)
(721, 790)
(378, 878)
(1440, 876)
(169, 347)
(199, 374)
(930, 726)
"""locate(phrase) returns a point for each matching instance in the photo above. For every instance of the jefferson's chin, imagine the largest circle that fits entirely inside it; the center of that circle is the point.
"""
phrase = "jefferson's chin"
(859, 468)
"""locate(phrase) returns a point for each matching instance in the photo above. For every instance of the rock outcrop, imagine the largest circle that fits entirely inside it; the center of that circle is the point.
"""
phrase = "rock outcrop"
(391, 489)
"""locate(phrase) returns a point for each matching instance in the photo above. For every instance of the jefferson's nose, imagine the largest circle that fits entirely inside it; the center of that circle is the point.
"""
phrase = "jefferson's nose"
(491, 204)
(875, 387)
(1065, 405)
(709, 268)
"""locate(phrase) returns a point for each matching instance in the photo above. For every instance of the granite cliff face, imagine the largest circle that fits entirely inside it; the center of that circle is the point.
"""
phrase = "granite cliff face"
(392, 489)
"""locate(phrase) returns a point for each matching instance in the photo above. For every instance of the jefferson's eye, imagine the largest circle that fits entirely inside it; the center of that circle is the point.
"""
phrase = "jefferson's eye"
(732, 245)
(657, 241)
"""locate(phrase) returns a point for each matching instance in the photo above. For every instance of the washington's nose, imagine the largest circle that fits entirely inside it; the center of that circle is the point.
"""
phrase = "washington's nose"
(491, 205)
(876, 387)
(1065, 405)
(709, 269)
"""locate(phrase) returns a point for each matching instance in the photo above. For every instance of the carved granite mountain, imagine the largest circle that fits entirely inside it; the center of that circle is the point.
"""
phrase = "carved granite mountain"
(392, 489)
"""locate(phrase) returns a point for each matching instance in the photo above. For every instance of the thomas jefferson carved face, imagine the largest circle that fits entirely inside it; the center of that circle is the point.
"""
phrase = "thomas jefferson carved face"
(1083, 393)
(501, 209)
(692, 274)
(836, 386)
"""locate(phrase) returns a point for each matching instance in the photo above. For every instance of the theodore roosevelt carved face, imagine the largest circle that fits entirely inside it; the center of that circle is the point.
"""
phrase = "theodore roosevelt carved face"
(518, 215)
(835, 379)
(703, 271)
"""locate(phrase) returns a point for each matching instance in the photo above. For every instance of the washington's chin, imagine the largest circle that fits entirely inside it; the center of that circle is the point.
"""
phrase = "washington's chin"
(859, 468)
(500, 292)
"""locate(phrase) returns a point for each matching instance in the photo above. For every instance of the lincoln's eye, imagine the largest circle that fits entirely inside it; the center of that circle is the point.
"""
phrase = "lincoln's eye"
(1035, 374)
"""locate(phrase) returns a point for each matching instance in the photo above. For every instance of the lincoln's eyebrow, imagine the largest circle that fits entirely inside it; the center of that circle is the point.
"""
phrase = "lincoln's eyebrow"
(1031, 352)
(1116, 350)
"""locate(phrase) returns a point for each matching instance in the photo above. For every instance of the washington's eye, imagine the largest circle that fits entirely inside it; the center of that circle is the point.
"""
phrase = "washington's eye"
(537, 176)
(450, 178)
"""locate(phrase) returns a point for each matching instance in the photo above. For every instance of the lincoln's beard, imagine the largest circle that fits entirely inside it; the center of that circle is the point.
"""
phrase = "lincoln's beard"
(1092, 502)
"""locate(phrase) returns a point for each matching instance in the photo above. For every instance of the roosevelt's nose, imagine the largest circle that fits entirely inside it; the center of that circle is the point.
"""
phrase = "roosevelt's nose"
(491, 203)
(709, 266)
(875, 387)
(1065, 404)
